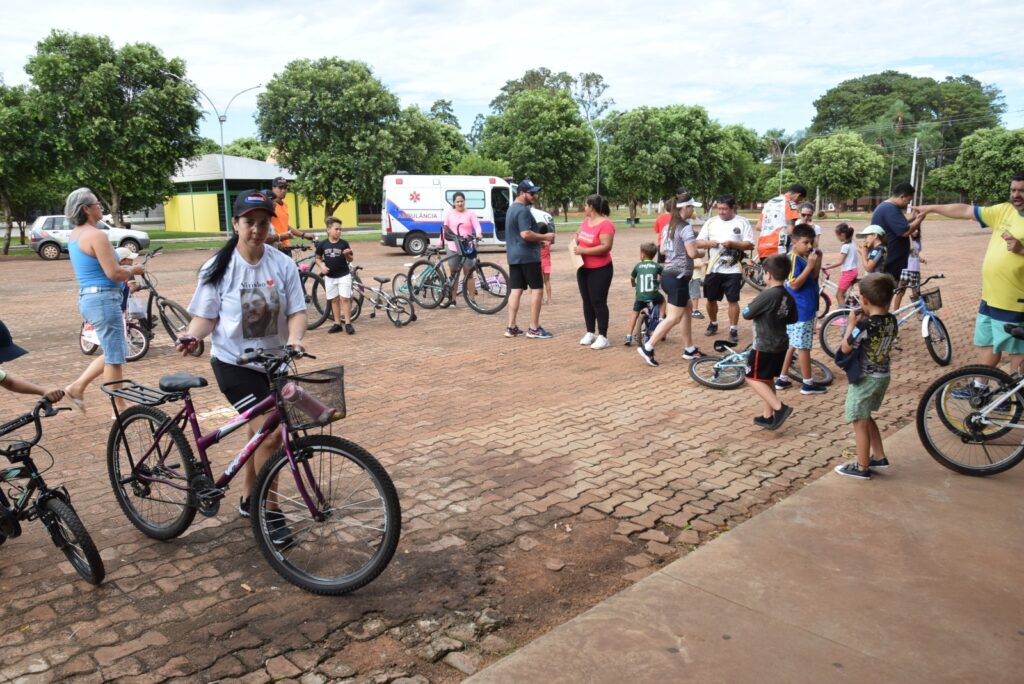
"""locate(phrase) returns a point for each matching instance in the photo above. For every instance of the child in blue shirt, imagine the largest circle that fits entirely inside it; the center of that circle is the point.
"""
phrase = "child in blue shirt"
(803, 285)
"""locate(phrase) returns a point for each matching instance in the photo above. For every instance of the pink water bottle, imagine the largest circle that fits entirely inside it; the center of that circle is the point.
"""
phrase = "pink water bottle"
(307, 403)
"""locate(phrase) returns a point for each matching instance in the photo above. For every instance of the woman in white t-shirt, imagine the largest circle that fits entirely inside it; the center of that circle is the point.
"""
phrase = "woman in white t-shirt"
(248, 296)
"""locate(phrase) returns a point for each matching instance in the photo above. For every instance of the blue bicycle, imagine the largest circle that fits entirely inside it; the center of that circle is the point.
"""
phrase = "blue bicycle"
(933, 330)
(727, 372)
(646, 322)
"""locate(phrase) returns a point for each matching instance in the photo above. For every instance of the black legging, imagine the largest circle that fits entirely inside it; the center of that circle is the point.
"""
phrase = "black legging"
(594, 284)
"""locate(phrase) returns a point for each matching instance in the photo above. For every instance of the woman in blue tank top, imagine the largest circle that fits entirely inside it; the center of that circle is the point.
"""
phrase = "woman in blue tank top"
(100, 282)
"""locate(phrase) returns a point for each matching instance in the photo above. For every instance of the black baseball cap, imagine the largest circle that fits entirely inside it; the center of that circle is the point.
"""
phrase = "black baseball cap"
(527, 185)
(252, 200)
(279, 182)
(8, 350)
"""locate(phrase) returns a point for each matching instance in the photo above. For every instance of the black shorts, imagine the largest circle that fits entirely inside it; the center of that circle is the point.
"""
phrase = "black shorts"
(638, 304)
(895, 269)
(243, 387)
(718, 285)
(764, 366)
(522, 276)
(677, 290)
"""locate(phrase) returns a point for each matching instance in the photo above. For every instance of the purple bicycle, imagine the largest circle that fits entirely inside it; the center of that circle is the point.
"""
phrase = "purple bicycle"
(324, 512)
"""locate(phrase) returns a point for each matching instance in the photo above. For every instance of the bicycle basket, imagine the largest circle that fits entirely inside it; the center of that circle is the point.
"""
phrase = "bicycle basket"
(932, 299)
(325, 387)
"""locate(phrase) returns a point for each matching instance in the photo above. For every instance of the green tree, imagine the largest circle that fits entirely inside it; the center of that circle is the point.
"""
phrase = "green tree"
(588, 90)
(474, 164)
(769, 184)
(542, 135)
(442, 111)
(427, 145)
(123, 122)
(842, 166)
(250, 148)
(534, 79)
(739, 158)
(988, 159)
(335, 125)
(208, 146)
(27, 157)
(476, 132)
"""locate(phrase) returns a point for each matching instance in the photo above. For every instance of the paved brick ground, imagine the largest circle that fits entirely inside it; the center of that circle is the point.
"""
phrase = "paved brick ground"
(488, 439)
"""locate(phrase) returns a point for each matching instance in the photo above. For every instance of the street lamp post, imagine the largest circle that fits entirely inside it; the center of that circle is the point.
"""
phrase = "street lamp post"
(221, 118)
(782, 161)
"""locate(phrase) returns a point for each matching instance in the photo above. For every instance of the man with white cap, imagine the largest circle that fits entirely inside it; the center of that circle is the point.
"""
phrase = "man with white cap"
(726, 236)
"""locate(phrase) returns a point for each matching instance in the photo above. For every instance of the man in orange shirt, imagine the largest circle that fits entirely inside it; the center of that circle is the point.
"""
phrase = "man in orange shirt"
(280, 220)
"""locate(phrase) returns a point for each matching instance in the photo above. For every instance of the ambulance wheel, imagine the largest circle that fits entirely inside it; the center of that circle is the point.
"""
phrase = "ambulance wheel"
(416, 244)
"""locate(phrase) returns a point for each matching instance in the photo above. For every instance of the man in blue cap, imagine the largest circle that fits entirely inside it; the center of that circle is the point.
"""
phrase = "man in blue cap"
(522, 246)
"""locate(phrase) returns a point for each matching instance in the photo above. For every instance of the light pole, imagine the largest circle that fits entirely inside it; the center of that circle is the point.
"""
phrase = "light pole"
(782, 161)
(221, 118)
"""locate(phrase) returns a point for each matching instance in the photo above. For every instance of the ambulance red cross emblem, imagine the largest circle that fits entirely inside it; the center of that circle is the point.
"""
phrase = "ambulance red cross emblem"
(414, 197)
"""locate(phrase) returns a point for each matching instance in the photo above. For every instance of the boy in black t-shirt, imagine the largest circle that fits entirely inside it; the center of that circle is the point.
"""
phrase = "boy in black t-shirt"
(772, 310)
(332, 256)
(645, 278)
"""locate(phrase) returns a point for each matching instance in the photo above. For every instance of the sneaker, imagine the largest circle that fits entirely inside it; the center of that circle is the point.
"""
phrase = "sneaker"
(697, 314)
(712, 329)
(648, 355)
(969, 391)
(783, 383)
(878, 463)
(601, 343)
(780, 416)
(851, 469)
(761, 421)
(243, 507)
(349, 329)
(336, 328)
(694, 354)
(514, 331)
(538, 334)
(279, 532)
(588, 339)
(812, 388)
(734, 335)
(629, 340)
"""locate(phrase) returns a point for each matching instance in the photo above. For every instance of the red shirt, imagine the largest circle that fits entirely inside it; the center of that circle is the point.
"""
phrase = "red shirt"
(591, 237)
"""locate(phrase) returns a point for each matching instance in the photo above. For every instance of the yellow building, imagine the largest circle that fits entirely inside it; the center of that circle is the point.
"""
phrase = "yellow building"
(198, 203)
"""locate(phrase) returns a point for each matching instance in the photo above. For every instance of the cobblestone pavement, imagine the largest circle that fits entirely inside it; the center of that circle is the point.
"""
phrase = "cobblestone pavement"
(536, 478)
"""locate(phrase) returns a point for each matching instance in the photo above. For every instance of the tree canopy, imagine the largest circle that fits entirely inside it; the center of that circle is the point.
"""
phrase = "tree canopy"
(842, 166)
(251, 148)
(988, 159)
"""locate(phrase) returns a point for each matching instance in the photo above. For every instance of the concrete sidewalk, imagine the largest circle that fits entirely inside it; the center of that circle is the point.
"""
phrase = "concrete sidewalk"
(915, 576)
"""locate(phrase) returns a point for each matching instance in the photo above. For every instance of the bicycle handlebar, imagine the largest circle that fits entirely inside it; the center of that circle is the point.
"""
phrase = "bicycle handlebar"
(48, 411)
(271, 359)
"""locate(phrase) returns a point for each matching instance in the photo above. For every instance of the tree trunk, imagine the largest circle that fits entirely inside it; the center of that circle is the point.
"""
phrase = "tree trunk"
(565, 211)
(115, 207)
(633, 204)
(8, 219)
(330, 206)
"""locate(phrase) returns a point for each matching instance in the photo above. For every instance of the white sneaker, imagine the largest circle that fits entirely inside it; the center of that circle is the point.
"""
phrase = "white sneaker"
(601, 343)
(588, 339)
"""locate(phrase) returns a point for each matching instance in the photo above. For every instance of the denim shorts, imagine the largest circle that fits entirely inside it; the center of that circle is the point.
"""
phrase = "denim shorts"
(102, 310)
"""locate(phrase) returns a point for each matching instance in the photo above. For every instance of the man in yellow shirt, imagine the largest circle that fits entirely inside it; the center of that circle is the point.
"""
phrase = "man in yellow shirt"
(1002, 272)
(280, 220)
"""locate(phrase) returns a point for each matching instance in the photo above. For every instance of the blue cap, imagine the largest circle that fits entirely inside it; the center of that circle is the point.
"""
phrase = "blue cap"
(527, 185)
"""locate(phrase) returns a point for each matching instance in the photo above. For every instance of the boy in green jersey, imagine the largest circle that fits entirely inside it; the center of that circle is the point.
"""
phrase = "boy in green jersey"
(645, 278)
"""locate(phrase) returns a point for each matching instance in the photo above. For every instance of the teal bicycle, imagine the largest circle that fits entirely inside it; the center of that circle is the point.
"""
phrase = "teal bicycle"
(727, 372)
(933, 330)
(431, 282)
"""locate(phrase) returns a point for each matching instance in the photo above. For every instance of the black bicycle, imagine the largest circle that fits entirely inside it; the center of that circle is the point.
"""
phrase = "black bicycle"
(173, 316)
(30, 498)
(431, 282)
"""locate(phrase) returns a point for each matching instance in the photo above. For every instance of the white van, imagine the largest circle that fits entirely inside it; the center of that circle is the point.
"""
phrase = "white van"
(413, 206)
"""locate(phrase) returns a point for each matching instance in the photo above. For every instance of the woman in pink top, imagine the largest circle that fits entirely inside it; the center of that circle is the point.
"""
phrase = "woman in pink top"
(594, 243)
(462, 223)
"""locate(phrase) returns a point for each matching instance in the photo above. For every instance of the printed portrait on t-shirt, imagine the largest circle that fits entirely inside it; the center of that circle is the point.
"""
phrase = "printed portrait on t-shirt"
(260, 307)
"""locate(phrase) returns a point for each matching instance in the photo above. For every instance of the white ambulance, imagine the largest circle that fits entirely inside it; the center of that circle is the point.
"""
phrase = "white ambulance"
(413, 206)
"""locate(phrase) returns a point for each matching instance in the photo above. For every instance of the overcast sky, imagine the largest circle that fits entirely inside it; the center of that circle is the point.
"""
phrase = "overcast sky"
(757, 64)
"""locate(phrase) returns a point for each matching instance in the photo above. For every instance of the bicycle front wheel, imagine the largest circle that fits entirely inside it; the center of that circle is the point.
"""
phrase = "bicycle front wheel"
(753, 275)
(832, 329)
(426, 284)
(820, 373)
(138, 342)
(175, 320)
(401, 311)
(939, 345)
(88, 348)
(824, 304)
(315, 294)
(400, 285)
(954, 431)
(353, 533)
(714, 372)
(70, 536)
(491, 283)
(153, 494)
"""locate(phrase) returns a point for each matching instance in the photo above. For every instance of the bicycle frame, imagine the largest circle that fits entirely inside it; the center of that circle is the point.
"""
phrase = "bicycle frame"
(269, 405)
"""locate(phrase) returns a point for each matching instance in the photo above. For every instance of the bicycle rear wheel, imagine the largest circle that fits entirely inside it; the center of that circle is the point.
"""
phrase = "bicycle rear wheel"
(753, 275)
(426, 285)
(88, 348)
(824, 304)
(154, 495)
(315, 294)
(400, 285)
(833, 327)
(70, 536)
(175, 320)
(939, 345)
(953, 431)
(491, 283)
(354, 533)
(820, 373)
(401, 311)
(707, 372)
(138, 342)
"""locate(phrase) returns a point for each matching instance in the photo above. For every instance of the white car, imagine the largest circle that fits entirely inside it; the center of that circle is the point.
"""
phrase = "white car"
(49, 236)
